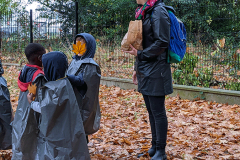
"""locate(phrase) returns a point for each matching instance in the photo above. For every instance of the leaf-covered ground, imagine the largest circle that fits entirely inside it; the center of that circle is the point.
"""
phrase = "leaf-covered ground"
(197, 129)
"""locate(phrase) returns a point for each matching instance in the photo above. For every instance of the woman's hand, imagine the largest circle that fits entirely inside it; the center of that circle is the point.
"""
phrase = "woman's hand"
(134, 78)
(30, 97)
(133, 51)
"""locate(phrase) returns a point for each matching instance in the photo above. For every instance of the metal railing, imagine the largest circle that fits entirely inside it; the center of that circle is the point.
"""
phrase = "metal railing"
(213, 32)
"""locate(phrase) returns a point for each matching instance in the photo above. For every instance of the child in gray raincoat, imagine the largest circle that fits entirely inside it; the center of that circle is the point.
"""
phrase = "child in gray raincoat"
(5, 114)
(61, 133)
(25, 123)
(84, 74)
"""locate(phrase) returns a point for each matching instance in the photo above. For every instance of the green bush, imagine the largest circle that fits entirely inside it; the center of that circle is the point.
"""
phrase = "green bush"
(187, 74)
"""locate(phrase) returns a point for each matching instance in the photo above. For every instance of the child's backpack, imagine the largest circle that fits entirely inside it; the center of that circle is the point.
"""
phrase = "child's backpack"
(178, 39)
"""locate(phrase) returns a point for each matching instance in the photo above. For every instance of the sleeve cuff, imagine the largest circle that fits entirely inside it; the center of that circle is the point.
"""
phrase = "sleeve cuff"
(36, 106)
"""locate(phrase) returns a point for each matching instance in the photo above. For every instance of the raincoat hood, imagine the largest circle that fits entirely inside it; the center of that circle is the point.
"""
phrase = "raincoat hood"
(91, 46)
(55, 65)
(27, 75)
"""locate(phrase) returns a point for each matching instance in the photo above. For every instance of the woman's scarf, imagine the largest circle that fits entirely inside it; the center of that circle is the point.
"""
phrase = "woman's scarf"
(140, 11)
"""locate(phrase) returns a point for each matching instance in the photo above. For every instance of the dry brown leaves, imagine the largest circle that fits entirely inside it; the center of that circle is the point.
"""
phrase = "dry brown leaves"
(5, 154)
(11, 74)
(32, 88)
(204, 130)
(79, 48)
(197, 129)
(13, 58)
(124, 130)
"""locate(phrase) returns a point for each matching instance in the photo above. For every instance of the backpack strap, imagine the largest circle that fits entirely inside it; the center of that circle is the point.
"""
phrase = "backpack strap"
(168, 9)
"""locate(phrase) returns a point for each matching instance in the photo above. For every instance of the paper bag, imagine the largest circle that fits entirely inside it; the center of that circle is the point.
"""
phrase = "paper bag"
(133, 36)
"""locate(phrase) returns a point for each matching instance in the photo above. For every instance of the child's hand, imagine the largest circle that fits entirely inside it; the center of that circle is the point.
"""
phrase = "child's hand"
(30, 97)
(76, 81)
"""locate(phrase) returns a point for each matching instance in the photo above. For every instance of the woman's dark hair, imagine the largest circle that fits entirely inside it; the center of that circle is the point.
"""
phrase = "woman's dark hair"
(34, 49)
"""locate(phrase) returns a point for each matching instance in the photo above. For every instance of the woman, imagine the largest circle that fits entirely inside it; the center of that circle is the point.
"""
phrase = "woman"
(152, 73)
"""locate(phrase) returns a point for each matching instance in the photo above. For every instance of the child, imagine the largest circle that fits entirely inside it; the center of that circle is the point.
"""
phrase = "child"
(61, 129)
(25, 123)
(5, 114)
(84, 74)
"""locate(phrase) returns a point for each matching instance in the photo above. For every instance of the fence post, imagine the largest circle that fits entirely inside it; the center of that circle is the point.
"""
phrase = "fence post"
(76, 16)
(31, 27)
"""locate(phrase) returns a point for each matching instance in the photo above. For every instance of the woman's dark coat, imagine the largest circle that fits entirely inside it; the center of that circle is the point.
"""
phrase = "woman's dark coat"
(153, 72)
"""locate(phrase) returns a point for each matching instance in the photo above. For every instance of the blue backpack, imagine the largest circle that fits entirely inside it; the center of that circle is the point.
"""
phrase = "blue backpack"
(178, 39)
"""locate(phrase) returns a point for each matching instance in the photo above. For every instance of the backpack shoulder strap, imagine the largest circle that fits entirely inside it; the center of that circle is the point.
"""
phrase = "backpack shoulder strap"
(168, 8)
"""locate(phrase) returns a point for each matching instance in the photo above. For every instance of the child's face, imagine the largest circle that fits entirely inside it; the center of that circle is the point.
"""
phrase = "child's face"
(81, 39)
(40, 59)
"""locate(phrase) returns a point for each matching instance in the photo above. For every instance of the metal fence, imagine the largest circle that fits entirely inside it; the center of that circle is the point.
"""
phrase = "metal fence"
(212, 58)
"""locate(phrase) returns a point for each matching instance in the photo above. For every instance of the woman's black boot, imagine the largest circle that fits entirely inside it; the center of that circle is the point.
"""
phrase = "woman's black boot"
(152, 150)
(159, 155)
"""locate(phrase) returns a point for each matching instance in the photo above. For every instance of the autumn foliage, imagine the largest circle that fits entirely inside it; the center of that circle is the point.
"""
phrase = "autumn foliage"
(79, 48)
(196, 129)
(32, 88)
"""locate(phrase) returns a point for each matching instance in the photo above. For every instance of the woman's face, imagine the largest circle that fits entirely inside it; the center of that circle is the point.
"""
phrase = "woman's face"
(142, 2)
